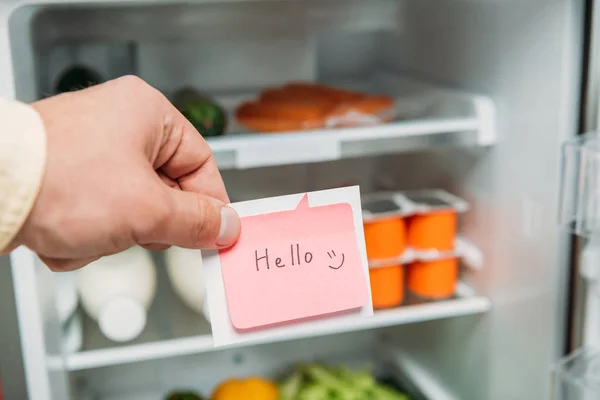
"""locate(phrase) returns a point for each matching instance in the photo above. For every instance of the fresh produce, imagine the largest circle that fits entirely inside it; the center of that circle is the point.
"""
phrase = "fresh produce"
(247, 389)
(184, 396)
(76, 78)
(321, 382)
(204, 113)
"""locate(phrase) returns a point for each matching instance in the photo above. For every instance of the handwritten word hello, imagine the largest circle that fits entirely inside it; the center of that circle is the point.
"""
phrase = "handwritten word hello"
(296, 257)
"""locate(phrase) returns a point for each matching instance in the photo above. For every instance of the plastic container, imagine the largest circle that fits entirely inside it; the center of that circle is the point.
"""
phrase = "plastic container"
(386, 205)
(116, 291)
(72, 338)
(66, 294)
(387, 286)
(463, 249)
(577, 377)
(430, 219)
(433, 279)
(436, 230)
(385, 238)
(404, 204)
(184, 268)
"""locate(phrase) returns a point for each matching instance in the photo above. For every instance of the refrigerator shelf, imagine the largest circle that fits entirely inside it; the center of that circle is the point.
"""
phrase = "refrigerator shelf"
(178, 331)
(389, 366)
(430, 117)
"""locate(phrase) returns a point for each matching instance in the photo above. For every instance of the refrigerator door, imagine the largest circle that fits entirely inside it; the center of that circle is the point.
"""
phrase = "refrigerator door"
(581, 197)
(577, 376)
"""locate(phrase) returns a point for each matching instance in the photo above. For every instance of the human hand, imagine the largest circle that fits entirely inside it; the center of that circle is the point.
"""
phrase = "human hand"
(123, 168)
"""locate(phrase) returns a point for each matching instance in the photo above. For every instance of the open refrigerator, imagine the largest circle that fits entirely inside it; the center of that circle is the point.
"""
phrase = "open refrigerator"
(487, 93)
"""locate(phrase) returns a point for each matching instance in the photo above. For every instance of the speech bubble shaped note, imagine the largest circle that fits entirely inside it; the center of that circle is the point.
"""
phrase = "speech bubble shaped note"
(294, 265)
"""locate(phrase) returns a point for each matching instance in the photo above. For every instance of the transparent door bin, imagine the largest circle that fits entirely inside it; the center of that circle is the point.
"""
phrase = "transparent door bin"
(579, 208)
(577, 376)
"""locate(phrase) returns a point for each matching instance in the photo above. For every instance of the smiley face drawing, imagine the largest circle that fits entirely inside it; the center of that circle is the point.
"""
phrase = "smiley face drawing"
(334, 256)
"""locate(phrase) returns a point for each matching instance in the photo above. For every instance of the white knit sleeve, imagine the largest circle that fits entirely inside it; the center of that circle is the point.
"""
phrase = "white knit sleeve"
(22, 162)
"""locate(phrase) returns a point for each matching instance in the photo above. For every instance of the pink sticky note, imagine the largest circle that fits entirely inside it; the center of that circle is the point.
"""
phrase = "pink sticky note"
(293, 265)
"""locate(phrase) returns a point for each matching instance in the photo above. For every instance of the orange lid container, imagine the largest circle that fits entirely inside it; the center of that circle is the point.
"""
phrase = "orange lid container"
(385, 238)
(433, 231)
(387, 286)
(433, 279)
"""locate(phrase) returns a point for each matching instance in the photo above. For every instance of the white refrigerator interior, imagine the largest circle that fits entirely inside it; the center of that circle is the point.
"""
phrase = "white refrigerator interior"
(489, 91)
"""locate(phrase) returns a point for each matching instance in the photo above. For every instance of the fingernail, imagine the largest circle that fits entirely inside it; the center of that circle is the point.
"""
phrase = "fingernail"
(230, 227)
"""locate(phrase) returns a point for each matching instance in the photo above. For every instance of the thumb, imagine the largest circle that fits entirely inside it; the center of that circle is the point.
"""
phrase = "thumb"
(196, 221)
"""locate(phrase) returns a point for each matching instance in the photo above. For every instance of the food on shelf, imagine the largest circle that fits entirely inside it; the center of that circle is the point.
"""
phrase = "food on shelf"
(252, 388)
(184, 396)
(432, 215)
(387, 286)
(311, 90)
(436, 230)
(415, 230)
(385, 238)
(207, 116)
(433, 279)
(287, 110)
(72, 334)
(67, 299)
(369, 106)
(77, 77)
(184, 268)
(276, 117)
(117, 290)
(305, 382)
(266, 125)
(322, 382)
(301, 106)
(66, 295)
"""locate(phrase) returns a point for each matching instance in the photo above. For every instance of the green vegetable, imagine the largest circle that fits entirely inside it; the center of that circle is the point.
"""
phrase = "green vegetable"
(321, 382)
(360, 379)
(314, 392)
(289, 388)
(382, 392)
(203, 112)
(184, 396)
(324, 376)
(76, 78)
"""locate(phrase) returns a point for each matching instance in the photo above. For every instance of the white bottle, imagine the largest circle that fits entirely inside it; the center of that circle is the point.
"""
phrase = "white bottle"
(116, 291)
(65, 285)
(65, 288)
(72, 338)
(184, 268)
